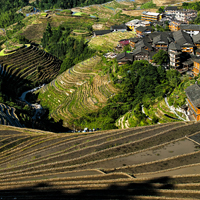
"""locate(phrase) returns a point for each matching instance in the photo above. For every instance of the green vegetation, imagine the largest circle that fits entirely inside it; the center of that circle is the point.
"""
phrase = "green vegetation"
(192, 5)
(161, 28)
(147, 5)
(161, 9)
(161, 57)
(70, 50)
(140, 83)
(10, 17)
(48, 4)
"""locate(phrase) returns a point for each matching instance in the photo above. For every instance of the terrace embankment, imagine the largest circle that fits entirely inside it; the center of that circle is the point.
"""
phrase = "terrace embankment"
(103, 164)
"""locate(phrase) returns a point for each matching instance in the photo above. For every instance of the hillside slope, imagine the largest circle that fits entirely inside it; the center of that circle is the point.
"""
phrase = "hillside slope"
(138, 163)
(78, 91)
(27, 66)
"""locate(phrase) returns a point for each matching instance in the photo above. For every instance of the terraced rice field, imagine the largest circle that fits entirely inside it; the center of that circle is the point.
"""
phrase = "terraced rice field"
(28, 65)
(76, 92)
(8, 116)
(150, 162)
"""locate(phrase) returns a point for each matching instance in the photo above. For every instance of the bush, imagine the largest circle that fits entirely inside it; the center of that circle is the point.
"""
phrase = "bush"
(149, 4)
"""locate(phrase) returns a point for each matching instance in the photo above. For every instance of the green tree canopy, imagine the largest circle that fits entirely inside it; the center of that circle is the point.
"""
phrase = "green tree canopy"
(160, 57)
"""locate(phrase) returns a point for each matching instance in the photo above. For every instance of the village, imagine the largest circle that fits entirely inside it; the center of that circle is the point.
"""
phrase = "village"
(181, 41)
(172, 32)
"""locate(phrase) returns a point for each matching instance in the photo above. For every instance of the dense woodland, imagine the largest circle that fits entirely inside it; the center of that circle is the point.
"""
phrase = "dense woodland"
(47, 4)
(60, 44)
(8, 10)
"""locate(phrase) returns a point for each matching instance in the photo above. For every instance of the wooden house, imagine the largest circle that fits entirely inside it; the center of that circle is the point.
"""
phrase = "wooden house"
(196, 66)
(141, 54)
(144, 44)
(193, 100)
(160, 42)
(124, 58)
(133, 41)
(196, 40)
(184, 40)
(142, 30)
(198, 52)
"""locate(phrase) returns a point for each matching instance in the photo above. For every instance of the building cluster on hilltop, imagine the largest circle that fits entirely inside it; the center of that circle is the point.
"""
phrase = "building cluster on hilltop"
(182, 41)
(183, 50)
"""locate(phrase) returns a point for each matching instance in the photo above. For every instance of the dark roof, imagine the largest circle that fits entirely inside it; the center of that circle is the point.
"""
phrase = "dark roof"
(146, 38)
(161, 37)
(102, 32)
(154, 34)
(187, 62)
(143, 43)
(141, 28)
(151, 54)
(135, 39)
(196, 60)
(125, 56)
(198, 50)
(171, 8)
(174, 46)
(196, 38)
(122, 26)
(190, 27)
(182, 38)
(193, 93)
(140, 50)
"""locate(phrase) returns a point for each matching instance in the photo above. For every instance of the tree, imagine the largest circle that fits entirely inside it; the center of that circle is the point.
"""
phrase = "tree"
(48, 30)
(127, 48)
(173, 77)
(161, 9)
(160, 57)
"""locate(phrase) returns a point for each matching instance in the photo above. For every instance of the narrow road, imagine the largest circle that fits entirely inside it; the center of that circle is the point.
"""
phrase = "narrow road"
(37, 107)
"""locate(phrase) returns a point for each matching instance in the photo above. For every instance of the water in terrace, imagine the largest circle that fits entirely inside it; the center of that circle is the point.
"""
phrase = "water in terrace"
(35, 10)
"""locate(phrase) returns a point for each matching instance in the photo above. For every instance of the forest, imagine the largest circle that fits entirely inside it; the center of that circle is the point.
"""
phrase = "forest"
(141, 83)
(59, 43)
(8, 10)
(48, 4)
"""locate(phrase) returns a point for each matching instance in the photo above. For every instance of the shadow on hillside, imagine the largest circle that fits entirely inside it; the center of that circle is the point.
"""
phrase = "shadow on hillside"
(115, 191)
(12, 88)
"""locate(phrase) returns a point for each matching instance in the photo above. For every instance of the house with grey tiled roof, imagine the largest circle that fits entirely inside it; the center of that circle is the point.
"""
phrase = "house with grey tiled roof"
(144, 44)
(140, 54)
(191, 29)
(141, 30)
(101, 32)
(121, 28)
(160, 42)
(184, 40)
(124, 58)
(196, 40)
(171, 10)
(193, 100)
